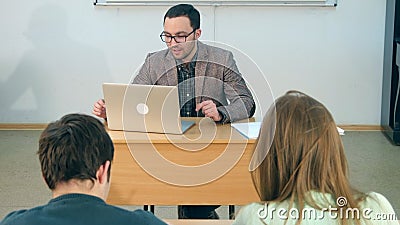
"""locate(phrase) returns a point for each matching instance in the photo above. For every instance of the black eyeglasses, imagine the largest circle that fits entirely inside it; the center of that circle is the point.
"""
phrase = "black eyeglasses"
(167, 38)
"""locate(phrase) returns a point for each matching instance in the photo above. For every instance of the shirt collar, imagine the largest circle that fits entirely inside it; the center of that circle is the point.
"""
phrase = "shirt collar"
(79, 196)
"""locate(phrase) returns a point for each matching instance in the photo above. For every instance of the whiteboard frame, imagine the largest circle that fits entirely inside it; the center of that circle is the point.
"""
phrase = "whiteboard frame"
(308, 3)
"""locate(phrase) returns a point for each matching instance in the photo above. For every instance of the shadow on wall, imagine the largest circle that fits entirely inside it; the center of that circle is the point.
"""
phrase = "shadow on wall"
(58, 75)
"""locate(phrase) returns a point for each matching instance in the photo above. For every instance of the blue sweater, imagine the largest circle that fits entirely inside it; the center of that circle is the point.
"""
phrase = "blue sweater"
(79, 209)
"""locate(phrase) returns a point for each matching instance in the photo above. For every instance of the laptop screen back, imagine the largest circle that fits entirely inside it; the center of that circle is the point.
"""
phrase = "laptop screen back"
(143, 108)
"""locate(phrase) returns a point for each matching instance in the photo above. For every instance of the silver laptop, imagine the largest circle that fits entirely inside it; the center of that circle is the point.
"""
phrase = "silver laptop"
(144, 108)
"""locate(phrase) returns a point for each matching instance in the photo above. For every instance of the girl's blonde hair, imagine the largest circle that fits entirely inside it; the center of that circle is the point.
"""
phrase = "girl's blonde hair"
(304, 154)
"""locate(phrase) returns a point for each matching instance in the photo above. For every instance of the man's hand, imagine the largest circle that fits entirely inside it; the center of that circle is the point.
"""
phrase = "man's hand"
(99, 109)
(209, 109)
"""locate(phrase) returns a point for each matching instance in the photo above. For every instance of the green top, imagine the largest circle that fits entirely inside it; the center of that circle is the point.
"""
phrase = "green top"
(374, 210)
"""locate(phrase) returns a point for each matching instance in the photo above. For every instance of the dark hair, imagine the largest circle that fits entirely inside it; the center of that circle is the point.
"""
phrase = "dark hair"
(185, 10)
(74, 147)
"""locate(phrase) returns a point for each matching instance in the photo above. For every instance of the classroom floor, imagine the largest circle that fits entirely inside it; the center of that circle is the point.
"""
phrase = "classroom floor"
(374, 166)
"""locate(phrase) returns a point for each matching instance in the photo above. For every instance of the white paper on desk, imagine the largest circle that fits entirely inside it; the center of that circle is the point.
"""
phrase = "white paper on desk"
(252, 129)
(249, 130)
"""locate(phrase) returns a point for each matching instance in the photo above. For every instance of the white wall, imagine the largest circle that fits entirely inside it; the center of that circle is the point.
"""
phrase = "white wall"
(56, 54)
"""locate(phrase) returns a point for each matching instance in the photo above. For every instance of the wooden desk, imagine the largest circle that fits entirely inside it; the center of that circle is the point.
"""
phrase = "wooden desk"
(198, 168)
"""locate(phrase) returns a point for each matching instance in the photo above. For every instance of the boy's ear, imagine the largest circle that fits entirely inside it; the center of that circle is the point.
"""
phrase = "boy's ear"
(102, 172)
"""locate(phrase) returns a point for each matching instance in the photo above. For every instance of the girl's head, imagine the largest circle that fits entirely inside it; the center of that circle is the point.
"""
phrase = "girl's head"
(299, 150)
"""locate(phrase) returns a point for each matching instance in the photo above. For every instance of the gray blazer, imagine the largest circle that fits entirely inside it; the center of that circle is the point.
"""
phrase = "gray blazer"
(216, 77)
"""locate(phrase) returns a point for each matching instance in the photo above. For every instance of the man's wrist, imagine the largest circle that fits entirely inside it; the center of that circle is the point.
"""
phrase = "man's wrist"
(223, 117)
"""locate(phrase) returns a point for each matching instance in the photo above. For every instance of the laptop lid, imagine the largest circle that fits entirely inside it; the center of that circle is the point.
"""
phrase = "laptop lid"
(143, 108)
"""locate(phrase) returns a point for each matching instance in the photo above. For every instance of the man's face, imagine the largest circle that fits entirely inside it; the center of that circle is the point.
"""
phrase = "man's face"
(180, 26)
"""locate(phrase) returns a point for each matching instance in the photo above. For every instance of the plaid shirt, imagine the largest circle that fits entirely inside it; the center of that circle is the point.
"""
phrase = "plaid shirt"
(186, 88)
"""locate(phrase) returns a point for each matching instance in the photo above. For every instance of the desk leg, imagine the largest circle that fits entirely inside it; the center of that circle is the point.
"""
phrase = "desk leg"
(152, 209)
(146, 208)
(231, 212)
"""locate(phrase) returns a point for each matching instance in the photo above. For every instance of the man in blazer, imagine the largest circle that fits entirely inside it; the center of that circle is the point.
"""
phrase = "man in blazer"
(216, 77)
(207, 77)
(209, 82)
